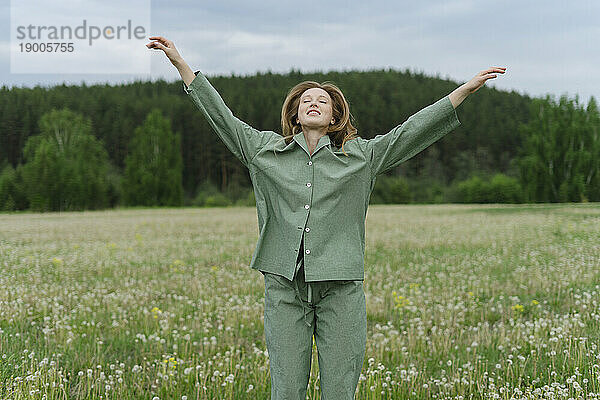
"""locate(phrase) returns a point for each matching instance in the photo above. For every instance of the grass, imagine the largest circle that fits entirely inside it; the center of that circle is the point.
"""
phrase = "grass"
(497, 302)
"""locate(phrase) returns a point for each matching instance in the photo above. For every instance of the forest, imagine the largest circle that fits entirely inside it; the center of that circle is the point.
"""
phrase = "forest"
(76, 147)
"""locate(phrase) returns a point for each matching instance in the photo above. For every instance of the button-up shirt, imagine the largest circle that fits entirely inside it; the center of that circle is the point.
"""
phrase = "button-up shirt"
(316, 203)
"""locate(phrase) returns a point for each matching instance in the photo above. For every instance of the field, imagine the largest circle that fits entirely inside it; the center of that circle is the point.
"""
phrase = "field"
(463, 301)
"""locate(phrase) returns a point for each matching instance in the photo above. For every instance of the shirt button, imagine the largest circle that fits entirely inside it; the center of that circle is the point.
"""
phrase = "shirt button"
(307, 229)
(307, 251)
(306, 206)
(309, 163)
(308, 184)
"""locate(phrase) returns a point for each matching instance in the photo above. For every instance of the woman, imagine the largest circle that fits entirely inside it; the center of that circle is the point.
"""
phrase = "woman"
(312, 187)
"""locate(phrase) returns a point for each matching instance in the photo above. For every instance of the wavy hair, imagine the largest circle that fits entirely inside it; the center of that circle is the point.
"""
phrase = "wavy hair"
(341, 131)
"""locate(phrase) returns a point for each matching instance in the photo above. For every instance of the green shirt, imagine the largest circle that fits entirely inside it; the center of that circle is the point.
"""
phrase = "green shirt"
(319, 198)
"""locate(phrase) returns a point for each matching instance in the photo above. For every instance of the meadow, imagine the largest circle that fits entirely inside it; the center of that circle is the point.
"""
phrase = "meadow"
(463, 302)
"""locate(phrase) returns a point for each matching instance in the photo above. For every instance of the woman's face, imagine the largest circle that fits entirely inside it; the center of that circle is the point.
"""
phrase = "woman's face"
(315, 108)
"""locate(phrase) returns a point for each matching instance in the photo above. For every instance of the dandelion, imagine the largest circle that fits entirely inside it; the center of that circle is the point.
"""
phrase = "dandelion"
(214, 267)
(517, 307)
(400, 301)
(535, 302)
(471, 294)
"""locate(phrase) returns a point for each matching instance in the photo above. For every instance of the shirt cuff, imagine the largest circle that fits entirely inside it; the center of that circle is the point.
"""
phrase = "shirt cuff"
(186, 88)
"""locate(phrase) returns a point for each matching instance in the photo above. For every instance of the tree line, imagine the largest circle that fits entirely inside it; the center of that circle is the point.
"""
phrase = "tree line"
(145, 143)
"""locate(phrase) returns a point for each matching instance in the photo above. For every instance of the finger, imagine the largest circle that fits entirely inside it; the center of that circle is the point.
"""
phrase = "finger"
(159, 38)
(158, 45)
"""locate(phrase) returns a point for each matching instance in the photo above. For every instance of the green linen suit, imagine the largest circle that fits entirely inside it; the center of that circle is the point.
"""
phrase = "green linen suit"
(311, 219)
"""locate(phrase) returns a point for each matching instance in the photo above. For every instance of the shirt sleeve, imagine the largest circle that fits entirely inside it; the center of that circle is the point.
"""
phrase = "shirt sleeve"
(417, 133)
(240, 138)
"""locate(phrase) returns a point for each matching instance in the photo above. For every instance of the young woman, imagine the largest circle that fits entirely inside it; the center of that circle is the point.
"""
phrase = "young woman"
(312, 186)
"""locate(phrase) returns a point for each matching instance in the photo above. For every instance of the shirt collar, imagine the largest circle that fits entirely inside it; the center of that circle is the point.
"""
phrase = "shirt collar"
(301, 140)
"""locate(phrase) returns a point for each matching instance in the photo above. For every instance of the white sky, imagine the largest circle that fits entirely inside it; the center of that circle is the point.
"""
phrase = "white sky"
(547, 46)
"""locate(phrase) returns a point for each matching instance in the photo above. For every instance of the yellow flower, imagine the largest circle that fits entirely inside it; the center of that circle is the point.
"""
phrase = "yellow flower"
(177, 262)
(400, 301)
(535, 302)
(517, 307)
(214, 267)
(413, 285)
(57, 261)
(470, 293)
(111, 245)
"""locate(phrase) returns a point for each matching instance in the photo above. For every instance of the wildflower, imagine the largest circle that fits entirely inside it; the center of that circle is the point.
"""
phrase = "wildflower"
(400, 301)
(535, 302)
(470, 294)
(57, 261)
(517, 307)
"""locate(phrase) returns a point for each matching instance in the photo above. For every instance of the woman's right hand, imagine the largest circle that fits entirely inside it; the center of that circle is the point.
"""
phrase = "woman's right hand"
(167, 46)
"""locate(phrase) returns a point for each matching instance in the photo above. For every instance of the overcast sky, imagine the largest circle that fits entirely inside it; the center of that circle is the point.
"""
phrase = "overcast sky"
(548, 46)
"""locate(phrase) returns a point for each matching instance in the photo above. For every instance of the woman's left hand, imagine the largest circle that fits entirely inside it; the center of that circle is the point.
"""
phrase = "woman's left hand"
(478, 80)
(461, 92)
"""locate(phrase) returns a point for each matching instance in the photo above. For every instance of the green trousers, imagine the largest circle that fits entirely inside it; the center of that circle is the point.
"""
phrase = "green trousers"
(335, 313)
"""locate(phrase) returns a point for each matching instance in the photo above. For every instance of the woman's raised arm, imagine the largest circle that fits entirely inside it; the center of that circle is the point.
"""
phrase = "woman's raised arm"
(421, 129)
(240, 138)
